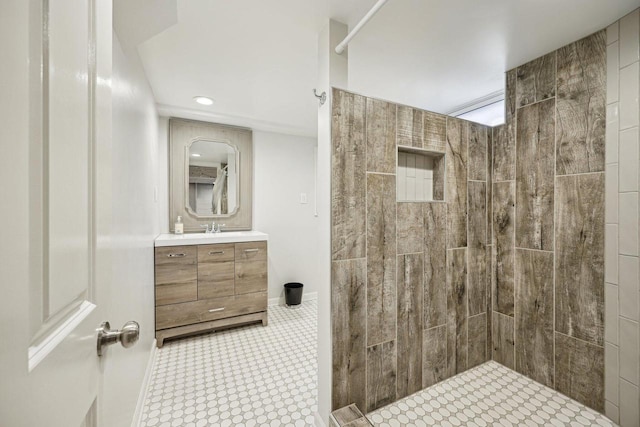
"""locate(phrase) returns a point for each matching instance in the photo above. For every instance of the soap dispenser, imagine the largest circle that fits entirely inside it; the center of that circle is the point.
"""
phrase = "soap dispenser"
(179, 226)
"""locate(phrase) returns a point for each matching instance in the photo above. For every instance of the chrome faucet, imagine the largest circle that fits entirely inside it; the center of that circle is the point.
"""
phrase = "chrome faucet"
(216, 228)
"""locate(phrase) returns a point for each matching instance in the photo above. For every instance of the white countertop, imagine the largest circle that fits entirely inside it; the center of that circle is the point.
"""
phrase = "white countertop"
(210, 238)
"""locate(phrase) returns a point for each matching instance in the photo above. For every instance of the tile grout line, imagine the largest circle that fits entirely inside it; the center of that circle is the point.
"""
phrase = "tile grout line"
(478, 315)
(576, 174)
(379, 173)
(447, 184)
(628, 319)
(366, 253)
(514, 118)
(555, 201)
(502, 314)
(617, 235)
(493, 245)
(533, 250)
(581, 339)
(395, 279)
(536, 102)
(467, 167)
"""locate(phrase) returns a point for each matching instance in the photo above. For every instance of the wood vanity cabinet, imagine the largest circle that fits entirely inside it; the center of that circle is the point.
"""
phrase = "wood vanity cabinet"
(207, 287)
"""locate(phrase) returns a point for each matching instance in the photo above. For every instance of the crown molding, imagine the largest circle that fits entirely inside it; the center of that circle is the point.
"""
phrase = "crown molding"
(228, 119)
(483, 101)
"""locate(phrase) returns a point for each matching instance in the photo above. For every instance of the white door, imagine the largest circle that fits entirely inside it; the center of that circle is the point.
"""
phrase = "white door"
(55, 207)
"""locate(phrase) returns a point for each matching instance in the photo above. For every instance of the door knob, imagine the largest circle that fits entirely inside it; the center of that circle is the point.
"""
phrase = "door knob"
(127, 336)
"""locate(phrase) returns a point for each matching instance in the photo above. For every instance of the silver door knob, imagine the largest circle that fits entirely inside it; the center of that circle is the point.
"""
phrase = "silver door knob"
(127, 336)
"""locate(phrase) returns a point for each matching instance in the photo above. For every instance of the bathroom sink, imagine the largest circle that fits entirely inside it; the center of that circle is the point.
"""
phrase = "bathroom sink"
(210, 238)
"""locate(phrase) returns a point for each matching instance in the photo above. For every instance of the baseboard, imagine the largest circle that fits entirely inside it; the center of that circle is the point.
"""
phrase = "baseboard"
(137, 416)
(310, 296)
(318, 419)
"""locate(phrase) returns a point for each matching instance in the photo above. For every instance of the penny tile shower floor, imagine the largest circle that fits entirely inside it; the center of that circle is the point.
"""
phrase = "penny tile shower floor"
(487, 395)
(248, 376)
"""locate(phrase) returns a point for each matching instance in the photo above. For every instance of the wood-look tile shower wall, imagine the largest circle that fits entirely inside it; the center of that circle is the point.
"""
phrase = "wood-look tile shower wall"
(410, 280)
(548, 221)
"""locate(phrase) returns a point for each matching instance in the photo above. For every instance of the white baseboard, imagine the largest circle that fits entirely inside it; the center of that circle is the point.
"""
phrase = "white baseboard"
(310, 296)
(318, 419)
(142, 396)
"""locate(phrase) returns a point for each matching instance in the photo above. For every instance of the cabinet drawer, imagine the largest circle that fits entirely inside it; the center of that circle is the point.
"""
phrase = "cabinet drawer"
(176, 274)
(216, 253)
(170, 316)
(251, 251)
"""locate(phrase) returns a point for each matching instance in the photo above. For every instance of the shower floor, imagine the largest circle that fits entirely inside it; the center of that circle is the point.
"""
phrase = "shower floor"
(487, 395)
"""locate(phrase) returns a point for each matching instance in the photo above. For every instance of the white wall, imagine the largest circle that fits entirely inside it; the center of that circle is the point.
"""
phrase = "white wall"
(135, 226)
(284, 167)
(332, 71)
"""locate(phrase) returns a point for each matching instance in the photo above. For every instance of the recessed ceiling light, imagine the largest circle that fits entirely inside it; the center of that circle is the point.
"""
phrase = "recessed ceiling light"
(203, 100)
(195, 155)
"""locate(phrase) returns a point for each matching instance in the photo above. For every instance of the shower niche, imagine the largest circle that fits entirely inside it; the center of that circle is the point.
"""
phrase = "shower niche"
(420, 175)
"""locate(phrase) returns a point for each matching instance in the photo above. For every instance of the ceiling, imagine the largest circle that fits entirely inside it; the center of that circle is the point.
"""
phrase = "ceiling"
(209, 152)
(257, 58)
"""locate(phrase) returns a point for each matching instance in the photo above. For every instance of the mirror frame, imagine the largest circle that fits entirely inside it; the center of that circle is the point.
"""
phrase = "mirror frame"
(182, 134)
(187, 158)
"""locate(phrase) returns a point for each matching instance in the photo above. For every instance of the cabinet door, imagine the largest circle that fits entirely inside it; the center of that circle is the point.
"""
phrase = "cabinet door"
(216, 270)
(251, 267)
(176, 274)
(188, 313)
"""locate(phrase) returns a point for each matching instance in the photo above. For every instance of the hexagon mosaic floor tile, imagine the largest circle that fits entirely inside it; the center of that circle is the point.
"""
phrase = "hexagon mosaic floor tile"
(248, 376)
(487, 395)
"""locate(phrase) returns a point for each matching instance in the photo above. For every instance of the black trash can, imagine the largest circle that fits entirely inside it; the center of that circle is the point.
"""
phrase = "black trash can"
(293, 293)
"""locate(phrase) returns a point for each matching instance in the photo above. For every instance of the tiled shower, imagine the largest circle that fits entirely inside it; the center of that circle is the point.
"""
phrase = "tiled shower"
(393, 321)
(549, 188)
(510, 266)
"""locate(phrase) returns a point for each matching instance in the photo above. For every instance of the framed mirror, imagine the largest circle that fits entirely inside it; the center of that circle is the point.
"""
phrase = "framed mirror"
(210, 175)
(212, 179)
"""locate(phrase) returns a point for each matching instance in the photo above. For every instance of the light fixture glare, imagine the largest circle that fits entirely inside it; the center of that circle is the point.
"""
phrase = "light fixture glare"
(203, 100)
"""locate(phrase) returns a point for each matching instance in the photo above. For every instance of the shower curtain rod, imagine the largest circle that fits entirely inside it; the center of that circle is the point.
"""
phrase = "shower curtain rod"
(343, 44)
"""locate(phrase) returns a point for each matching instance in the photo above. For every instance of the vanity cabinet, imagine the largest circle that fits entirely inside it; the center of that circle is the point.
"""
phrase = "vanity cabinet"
(207, 287)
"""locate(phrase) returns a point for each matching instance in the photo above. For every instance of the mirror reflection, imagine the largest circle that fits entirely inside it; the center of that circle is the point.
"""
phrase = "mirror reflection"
(213, 178)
